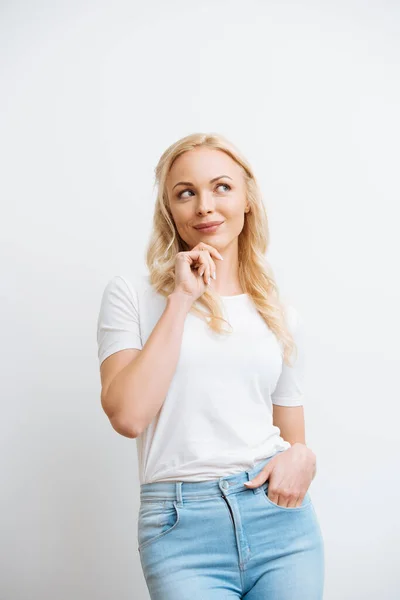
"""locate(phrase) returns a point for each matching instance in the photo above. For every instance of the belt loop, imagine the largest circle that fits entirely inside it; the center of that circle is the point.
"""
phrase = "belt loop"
(178, 493)
(249, 476)
(256, 470)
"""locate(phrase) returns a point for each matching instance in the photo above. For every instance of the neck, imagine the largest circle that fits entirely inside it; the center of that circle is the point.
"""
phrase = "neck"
(227, 271)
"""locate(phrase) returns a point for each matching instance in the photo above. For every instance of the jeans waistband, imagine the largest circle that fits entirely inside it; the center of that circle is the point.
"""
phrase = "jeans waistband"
(190, 490)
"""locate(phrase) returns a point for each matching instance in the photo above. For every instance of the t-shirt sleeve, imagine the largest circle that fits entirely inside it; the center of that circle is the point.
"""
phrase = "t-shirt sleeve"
(289, 390)
(118, 326)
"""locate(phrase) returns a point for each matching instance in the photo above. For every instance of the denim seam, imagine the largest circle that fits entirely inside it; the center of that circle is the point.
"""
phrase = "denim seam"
(293, 508)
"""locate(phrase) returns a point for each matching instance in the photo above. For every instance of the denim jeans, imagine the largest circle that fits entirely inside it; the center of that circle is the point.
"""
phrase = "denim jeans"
(217, 540)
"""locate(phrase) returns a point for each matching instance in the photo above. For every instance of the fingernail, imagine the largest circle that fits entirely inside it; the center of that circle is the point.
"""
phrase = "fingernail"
(214, 275)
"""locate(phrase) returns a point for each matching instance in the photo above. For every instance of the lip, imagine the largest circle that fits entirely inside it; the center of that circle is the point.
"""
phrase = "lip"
(209, 228)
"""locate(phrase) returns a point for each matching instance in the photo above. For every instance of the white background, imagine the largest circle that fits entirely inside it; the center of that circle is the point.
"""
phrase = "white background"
(91, 94)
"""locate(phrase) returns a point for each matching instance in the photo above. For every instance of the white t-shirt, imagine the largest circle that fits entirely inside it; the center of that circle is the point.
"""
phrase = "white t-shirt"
(216, 418)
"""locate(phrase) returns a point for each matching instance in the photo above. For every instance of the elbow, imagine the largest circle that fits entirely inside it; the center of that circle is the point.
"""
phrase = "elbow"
(124, 427)
(119, 422)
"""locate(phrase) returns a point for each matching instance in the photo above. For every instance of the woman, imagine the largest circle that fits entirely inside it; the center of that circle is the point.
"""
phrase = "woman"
(196, 364)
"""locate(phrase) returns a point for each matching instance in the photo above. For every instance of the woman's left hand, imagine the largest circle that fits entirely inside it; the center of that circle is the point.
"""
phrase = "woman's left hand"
(290, 474)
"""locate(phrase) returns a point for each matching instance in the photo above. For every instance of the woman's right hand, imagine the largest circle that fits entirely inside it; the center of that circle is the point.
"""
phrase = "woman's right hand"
(193, 269)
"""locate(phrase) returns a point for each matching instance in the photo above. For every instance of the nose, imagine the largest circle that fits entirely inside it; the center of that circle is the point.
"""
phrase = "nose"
(206, 203)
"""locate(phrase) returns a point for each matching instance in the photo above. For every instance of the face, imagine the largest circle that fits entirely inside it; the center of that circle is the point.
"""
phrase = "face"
(213, 189)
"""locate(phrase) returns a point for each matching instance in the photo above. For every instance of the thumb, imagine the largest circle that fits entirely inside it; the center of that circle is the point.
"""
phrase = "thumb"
(260, 478)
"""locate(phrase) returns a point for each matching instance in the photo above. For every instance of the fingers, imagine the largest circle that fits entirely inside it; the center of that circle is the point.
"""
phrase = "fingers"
(285, 498)
(210, 269)
(202, 269)
(212, 251)
(296, 502)
(205, 264)
(207, 268)
(262, 476)
(286, 501)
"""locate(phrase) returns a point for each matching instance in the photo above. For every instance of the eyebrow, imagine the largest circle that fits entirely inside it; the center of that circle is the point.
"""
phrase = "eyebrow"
(211, 181)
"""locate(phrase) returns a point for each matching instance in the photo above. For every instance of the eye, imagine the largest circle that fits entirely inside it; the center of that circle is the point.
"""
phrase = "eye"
(183, 191)
(180, 195)
(224, 185)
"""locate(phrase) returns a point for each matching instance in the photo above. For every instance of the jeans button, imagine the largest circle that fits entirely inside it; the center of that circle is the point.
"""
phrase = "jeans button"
(224, 485)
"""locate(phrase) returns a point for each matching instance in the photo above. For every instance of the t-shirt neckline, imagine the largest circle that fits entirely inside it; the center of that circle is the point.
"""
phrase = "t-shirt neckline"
(236, 296)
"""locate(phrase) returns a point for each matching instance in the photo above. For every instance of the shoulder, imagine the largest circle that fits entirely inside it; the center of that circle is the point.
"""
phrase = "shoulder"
(129, 284)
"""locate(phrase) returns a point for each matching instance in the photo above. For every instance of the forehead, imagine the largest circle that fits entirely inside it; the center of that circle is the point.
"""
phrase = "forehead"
(202, 164)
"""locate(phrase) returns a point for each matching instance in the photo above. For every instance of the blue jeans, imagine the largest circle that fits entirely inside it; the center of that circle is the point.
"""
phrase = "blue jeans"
(218, 540)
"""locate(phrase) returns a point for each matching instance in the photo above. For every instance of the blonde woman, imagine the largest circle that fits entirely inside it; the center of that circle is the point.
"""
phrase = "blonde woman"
(203, 364)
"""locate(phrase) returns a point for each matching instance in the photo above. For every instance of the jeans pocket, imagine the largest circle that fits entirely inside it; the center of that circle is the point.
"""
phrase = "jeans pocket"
(305, 503)
(155, 520)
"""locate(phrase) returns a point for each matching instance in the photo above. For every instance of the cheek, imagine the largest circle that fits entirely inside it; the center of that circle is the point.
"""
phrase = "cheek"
(234, 215)
(179, 218)
(234, 208)
(182, 224)
(182, 214)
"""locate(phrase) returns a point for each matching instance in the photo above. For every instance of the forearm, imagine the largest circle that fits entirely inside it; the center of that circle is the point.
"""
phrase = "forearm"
(139, 390)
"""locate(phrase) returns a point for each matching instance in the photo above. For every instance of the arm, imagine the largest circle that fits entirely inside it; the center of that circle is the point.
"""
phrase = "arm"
(138, 391)
(288, 396)
(135, 377)
(290, 420)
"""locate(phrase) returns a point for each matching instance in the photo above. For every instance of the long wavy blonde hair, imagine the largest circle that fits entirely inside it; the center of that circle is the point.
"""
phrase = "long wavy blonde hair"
(255, 274)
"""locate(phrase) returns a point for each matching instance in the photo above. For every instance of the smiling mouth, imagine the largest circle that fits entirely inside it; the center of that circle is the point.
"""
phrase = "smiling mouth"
(209, 229)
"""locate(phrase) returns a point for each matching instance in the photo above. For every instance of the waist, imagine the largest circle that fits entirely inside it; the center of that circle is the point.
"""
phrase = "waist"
(160, 491)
